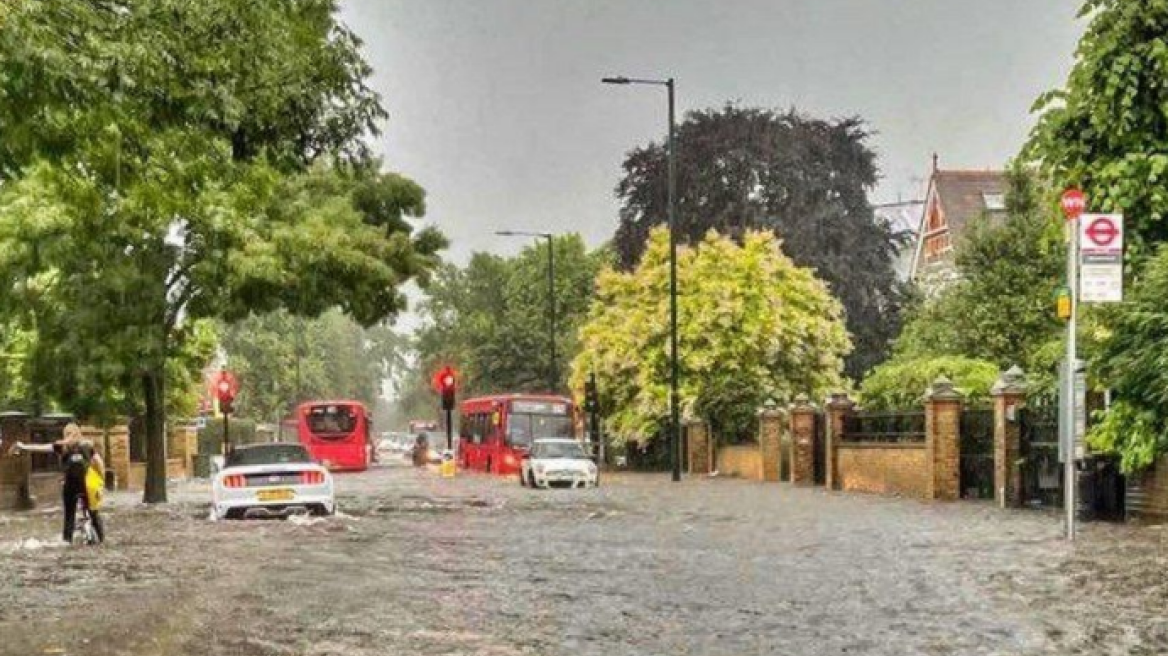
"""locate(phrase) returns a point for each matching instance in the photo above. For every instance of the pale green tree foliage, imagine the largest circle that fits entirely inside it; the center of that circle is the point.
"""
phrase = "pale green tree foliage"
(166, 161)
(752, 326)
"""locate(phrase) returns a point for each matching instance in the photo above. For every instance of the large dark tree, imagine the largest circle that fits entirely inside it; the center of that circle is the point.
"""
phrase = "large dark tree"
(742, 168)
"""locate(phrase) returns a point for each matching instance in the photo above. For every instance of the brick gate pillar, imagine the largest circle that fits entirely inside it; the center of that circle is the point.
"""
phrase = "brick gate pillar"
(701, 452)
(943, 439)
(770, 440)
(802, 426)
(1009, 394)
(119, 455)
(838, 407)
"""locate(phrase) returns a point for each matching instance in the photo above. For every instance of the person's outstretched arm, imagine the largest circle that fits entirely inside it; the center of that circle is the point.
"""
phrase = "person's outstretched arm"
(36, 448)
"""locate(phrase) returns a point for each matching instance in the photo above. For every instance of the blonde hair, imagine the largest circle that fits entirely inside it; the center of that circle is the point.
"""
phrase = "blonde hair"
(72, 432)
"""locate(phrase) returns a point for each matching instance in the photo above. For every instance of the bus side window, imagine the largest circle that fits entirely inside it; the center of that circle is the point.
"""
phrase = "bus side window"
(464, 427)
(480, 429)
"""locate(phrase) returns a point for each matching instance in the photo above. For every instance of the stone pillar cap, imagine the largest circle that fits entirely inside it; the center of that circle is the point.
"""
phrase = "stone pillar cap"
(942, 389)
(770, 409)
(1013, 381)
(840, 400)
(803, 403)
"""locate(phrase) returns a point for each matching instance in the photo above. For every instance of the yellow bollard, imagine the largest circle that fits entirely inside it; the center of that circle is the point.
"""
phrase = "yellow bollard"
(447, 467)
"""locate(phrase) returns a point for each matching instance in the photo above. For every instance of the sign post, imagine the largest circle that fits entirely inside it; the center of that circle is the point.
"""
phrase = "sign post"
(1073, 203)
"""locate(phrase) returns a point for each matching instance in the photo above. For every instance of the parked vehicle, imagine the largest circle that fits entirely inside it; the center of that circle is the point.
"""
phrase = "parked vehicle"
(561, 462)
(336, 434)
(495, 432)
(271, 480)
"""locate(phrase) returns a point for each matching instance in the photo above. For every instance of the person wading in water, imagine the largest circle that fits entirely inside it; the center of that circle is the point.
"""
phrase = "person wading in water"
(77, 458)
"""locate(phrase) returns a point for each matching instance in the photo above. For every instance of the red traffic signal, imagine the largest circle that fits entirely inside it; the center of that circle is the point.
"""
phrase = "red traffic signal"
(445, 383)
(445, 380)
(226, 387)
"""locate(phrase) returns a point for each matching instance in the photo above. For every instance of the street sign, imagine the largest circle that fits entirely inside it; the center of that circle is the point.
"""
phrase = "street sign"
(1073, 203)
(1101, 258)
(1073, 442)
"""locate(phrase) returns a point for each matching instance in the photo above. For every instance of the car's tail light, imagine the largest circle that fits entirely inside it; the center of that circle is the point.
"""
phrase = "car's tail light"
(234, 480)
(312, 478)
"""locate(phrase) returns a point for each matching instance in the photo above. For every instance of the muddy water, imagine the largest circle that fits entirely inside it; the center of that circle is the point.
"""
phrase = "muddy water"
(416, 564)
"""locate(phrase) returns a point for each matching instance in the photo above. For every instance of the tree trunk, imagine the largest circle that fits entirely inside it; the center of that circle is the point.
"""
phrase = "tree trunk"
(153, 382)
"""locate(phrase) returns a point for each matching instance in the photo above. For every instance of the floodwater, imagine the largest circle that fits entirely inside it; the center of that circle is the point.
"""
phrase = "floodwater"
(417, 564)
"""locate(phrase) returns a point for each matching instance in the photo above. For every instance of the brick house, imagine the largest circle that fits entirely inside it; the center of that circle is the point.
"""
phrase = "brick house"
(954, 200)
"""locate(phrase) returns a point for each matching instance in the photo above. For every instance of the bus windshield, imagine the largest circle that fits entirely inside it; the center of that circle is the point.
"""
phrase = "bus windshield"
(523, 428)
(332, 421)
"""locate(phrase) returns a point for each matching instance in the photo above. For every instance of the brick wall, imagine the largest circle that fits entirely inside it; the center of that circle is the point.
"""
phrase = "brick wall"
(1147, 494)
(699, 448)
(883, 469)
(744, 461)
(13, 481)
(802, 443)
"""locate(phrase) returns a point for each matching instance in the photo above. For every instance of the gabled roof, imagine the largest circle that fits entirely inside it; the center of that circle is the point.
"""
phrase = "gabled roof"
(962, 194)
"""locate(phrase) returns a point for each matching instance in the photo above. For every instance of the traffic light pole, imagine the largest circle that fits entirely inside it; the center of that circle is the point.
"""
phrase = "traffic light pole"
(449, 430)
(226, 439)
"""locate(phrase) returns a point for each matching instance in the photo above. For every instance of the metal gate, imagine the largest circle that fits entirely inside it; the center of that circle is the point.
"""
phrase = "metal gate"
(1042, 474)
(819, 450)
(977, 453)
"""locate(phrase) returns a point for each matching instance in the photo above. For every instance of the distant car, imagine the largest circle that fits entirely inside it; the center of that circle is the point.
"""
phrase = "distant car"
(271, 480)
(559, 462)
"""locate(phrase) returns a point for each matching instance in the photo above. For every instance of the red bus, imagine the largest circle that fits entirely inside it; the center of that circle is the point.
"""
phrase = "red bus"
(496, 431)
(336, 434)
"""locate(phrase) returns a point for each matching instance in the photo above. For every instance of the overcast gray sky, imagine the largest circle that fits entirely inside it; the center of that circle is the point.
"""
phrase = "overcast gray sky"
(496, 106)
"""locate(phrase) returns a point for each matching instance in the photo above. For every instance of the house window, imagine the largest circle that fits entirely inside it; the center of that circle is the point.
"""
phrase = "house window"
(994, 201)
(936, 246)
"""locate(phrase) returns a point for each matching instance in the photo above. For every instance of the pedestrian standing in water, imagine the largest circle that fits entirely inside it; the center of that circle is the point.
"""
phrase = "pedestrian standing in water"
(78, 457)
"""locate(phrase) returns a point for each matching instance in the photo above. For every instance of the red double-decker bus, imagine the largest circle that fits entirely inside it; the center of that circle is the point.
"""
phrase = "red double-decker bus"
(336, 434)
(496, 431)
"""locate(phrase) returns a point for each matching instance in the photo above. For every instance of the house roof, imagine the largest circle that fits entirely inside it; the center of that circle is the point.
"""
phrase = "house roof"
(962, 197)
(962, 194)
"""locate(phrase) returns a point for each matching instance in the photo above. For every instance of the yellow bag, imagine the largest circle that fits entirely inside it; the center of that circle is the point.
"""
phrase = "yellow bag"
(94, 488)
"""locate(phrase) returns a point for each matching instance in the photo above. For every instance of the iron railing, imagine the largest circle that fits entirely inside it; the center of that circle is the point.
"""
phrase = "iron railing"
(885, 427)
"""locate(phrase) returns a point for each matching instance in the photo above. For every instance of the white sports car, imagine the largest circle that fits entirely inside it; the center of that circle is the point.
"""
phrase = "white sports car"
(558, 462)
(271, 480)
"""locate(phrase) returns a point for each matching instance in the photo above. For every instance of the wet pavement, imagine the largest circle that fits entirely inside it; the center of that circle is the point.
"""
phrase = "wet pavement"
(417, 564)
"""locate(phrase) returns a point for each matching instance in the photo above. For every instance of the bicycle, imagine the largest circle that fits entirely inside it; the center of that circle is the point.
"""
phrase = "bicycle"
(85, 533)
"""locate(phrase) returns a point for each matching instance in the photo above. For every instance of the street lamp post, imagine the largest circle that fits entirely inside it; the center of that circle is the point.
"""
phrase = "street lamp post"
(554, 369)
(674, 410)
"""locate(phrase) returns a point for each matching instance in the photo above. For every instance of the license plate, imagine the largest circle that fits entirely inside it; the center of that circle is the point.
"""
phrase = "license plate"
(275, 495)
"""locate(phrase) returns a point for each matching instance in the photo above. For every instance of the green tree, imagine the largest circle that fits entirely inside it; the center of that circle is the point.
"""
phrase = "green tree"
(902, 382)
(490, 318)
(1000, 312)
(283, 359)
(1105, 130)
(1131, 360)
(741, 169)
(182, 161)
(752, 326)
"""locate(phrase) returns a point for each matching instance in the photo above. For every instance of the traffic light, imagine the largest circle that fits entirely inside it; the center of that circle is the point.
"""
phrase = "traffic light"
(591, 400)
(447, 385)
(225, 391)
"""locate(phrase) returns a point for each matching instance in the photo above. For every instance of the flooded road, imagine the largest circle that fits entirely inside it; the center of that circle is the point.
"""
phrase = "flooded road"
(416, 564)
